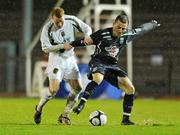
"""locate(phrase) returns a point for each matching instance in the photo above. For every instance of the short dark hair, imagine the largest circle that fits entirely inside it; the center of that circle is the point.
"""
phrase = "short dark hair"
(122, 17)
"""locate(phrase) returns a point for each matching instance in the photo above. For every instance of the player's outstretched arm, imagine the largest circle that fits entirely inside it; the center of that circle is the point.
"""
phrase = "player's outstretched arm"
(141, 30)
(146, 27)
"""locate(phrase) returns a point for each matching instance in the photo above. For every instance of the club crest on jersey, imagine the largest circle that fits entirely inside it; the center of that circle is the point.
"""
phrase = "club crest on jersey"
(64, 37)
(55, 70)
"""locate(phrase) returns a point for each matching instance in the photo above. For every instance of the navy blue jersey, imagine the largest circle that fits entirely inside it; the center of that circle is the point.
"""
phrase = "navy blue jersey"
(108, 48)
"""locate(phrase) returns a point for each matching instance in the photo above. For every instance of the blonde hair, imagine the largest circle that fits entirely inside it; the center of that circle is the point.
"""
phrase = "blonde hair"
(57, 11)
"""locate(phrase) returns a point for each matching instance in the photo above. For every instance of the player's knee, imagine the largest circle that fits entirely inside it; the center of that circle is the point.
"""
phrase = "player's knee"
(53, 89)
(98, 80)
(130, 90)
(78, 88)
(53, 86)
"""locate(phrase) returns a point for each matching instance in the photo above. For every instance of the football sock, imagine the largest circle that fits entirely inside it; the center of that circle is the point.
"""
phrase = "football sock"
(89, 90)
(44, 99)
(127, 106)
(71, 100)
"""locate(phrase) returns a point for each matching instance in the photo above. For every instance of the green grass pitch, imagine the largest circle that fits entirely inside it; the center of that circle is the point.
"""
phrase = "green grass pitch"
(154, 117)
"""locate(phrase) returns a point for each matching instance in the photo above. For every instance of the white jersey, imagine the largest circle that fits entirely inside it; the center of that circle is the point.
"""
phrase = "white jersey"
(52, 36)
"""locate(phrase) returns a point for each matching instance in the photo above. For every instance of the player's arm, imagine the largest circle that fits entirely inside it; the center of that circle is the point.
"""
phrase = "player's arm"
(45, 42)
(84, 28)
(141, 30)
(95, 37)
(78, 43)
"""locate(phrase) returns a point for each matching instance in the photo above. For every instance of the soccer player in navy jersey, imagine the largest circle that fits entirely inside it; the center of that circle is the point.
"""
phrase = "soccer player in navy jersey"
(109, 43)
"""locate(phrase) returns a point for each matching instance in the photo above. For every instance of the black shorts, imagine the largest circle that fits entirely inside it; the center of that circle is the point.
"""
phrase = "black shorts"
(110, 72)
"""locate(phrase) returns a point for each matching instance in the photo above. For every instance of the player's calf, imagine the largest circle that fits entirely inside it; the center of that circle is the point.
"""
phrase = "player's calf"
(80, 106)
(87, 93)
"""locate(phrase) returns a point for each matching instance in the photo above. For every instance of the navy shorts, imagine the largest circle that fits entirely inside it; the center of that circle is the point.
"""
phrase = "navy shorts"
(110, 72)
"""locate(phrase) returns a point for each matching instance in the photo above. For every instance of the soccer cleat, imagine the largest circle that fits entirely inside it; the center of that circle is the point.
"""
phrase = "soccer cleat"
(127, 122)
(79, 108)
(64, 120)
(37, 116)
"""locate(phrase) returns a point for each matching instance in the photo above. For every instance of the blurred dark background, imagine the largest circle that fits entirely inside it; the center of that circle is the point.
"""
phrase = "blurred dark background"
(156, 69)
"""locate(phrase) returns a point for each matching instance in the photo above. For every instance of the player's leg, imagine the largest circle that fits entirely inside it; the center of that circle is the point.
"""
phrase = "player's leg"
(97, 78)
(71, 76)
(54, 82)
(53, 87)
(76, 87)
(126, 85)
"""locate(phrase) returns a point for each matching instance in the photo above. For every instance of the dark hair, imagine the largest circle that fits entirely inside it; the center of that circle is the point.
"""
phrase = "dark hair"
(122, 17)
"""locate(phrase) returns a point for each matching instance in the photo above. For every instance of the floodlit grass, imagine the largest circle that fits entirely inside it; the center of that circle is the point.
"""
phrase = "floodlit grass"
(154, 117)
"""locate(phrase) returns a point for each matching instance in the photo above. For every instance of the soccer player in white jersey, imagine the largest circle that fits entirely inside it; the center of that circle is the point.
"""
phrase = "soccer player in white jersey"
(61, 64)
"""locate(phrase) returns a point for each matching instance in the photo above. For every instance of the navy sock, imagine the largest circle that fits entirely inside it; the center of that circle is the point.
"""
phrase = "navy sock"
(89, 90)
(127, 106)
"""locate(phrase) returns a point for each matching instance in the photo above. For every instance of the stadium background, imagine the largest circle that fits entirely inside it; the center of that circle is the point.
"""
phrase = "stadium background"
(157, 77)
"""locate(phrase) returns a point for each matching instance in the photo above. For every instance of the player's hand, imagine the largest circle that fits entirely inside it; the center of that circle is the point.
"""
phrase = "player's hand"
(67, 46)
(88, 40)
(157, 24)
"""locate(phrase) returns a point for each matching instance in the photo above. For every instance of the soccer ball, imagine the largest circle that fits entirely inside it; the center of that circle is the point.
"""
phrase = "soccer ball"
(98, 118)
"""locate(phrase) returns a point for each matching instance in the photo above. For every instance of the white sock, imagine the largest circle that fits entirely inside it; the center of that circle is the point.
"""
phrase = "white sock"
(71, 100)
(44, 99)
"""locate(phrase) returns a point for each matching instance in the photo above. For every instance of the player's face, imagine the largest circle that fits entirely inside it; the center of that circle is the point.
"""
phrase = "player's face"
(119, 28)
(58, 22)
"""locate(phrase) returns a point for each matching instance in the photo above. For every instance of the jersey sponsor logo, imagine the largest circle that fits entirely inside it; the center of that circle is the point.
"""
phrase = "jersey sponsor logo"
(112, 50)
